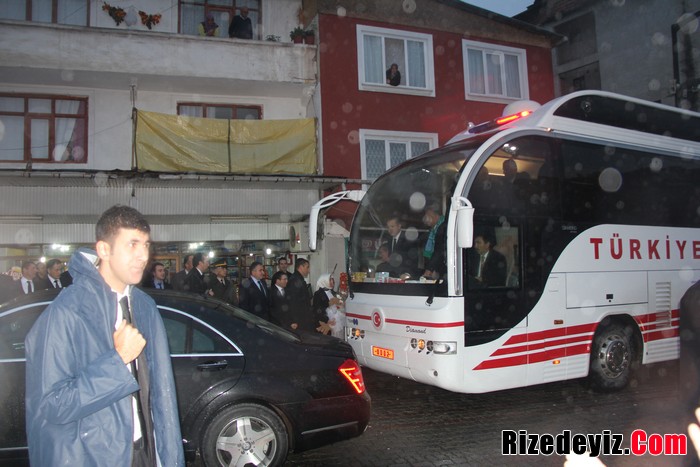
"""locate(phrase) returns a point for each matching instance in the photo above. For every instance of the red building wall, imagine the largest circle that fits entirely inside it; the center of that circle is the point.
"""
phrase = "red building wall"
(346, 109)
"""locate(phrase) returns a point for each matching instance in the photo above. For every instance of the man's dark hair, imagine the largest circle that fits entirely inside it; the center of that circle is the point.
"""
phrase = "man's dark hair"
(184, 261)
(254, 265)
(488, 237)
(53, 262)
(26, 264)
(153, 267)
(277, 276)
(119, 217)
(300, 262)
(196, 259)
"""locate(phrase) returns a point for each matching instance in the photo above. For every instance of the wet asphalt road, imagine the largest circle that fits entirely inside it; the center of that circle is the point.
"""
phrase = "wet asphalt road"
(417, 425)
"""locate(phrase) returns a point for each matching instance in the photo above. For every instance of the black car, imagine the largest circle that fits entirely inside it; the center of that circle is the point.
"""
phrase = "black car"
(248, 391)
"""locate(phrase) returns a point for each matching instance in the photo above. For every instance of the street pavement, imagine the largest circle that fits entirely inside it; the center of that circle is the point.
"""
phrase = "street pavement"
(417, 425)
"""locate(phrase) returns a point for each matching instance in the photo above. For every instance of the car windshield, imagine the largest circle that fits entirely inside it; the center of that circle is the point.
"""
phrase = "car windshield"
(390, 232)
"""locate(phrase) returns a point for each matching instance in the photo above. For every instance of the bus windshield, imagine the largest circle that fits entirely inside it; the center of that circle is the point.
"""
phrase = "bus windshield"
(398, 235)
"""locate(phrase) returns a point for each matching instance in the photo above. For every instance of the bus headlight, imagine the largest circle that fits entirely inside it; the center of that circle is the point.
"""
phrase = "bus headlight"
(443, 348)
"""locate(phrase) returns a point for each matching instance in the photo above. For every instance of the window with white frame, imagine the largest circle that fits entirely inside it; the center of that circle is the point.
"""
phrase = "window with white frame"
(494, 73)
(382, 150)
(412, 53)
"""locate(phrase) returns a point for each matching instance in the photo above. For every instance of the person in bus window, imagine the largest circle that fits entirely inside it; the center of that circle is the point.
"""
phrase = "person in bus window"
(434, 248)
(403, 251)
(487, 267)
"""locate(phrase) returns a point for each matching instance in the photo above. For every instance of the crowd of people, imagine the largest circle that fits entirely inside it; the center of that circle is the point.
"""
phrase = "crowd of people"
(287, 301)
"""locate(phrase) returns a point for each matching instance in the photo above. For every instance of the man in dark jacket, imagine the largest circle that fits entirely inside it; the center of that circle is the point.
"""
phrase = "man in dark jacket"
(196, 281)
(221, 286)
(299, 297)
(87, 402)
(254, 295)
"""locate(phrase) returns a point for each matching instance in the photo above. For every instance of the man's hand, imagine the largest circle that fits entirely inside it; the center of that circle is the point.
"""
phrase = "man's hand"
(324, 328)
(128, 341)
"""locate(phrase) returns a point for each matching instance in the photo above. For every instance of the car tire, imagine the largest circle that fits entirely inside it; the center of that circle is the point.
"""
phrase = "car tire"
(245, 434)
(612, 358)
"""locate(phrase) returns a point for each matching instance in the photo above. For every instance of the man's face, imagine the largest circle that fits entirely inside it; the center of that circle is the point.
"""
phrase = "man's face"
(204, 265)
(29, 272)
(304, 270)
(159, 272)
(480, 245)
(123, 260)
(282, 281)
(258, 272)
(188, 263)
(55, 271)
(393, 227)
(244, 12)
(282, 265)
(220, 272)
(41, 270)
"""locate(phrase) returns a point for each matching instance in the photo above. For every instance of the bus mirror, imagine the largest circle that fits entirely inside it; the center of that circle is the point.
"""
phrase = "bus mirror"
(465, 222)
(328, 201)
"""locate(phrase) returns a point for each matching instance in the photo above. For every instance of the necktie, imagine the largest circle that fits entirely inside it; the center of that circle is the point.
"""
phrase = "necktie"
(30, 289)
(160, 285)
(393, 244)
(481, 265)
(262, 289)
(140, 372)
(55, 284)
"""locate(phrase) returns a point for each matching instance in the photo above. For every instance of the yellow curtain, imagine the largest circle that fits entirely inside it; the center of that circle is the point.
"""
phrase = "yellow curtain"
(172, 143)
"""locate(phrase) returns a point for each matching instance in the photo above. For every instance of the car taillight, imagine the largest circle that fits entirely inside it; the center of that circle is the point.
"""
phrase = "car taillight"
(353, 373)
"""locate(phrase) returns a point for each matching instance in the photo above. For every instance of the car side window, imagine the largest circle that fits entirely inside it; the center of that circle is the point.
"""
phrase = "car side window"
(187, 336)
(14, 327)
(176, 330)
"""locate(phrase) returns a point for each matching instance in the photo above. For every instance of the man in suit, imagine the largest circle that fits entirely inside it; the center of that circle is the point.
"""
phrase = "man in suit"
(403, 251)
(221, 286)
(54, 268)
(254, 295)
(299, 297)
(196, 282)
(25, 285)
(178, 281)
(156, 278)
(487, 266)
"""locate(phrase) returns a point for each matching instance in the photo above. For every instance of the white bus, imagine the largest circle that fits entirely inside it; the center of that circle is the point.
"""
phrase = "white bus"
(590, 205)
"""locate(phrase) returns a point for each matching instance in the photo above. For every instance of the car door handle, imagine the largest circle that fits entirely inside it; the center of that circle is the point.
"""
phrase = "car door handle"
(213, 366)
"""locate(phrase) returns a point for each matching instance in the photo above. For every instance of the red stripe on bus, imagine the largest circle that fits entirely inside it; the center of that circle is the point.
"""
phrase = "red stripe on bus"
(353, 315)
(410, 323)
(662, 334)
(536, 357)
(551, 333)
(427, 325)
(542, 345)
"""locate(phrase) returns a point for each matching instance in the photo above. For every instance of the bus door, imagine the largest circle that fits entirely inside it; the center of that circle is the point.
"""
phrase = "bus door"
(515, 196)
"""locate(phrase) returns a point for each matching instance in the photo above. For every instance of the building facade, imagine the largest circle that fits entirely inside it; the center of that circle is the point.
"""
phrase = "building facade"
(646, 49)
(458, 64)
(75, 76)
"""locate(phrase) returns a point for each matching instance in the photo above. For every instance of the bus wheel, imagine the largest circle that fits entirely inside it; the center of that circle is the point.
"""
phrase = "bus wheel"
(611, 358)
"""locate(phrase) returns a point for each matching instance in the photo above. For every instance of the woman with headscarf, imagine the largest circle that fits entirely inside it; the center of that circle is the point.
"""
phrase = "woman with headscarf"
(208, 27)
(325, 298)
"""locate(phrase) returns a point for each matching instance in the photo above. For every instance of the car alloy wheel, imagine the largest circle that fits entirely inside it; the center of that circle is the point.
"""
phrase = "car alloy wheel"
(245, 435)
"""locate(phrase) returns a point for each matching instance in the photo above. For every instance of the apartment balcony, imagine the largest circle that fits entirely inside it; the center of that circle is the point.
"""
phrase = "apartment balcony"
(107, 58)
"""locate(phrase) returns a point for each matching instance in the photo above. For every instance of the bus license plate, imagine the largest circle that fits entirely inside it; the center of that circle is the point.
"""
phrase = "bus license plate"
(382, 352)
